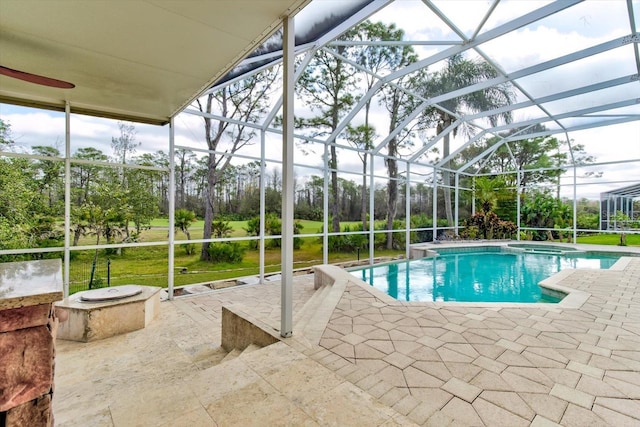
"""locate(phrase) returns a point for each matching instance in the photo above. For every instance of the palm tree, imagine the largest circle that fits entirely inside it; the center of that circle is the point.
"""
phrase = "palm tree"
(183, 219)
(486, 192)
(459, 73)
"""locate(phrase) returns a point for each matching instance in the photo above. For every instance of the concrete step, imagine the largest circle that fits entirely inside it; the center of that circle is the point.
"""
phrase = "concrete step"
(315, 314)
(250, 348)
(231, 355)
(301, 318)
(207, 356)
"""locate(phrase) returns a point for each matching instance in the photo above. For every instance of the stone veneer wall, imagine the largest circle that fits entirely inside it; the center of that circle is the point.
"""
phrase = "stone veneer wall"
(27, 352)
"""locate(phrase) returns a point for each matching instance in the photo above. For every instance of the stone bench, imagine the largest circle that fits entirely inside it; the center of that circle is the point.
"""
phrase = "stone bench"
(96, 320)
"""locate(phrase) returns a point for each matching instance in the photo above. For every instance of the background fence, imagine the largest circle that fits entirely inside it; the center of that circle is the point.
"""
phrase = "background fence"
(89, 275)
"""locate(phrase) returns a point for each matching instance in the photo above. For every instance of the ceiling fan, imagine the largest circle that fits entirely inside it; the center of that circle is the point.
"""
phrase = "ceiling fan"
(34, 78)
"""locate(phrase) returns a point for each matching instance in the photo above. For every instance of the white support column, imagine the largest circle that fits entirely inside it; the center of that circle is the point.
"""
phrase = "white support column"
(473, 196)
(575, 205)
(172, 206)
(456, 214)
(263, 172)
(67, 197)
(518, 203)
(407, 209)
(286, 318)
(434, 226)
(325, 208)
(372, 208)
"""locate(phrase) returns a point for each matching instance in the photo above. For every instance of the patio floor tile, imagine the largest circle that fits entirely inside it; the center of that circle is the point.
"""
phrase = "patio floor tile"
(378, 363)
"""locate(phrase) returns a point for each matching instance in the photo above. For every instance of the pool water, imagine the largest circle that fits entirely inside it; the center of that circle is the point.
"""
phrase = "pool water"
(476, 276)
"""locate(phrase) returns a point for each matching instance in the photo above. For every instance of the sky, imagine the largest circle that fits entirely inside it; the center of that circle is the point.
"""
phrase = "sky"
(581, 26)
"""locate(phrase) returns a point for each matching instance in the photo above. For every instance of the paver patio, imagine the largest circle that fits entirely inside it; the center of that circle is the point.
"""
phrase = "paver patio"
(378, 362)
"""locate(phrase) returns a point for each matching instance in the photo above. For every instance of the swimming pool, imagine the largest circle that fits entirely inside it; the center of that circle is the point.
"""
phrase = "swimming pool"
(478, 276)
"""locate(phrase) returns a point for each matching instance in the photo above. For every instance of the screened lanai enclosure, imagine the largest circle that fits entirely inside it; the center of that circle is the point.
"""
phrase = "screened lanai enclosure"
(189, 143)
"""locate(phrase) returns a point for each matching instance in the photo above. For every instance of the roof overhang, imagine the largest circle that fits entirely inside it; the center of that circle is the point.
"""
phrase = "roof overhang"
(137, 60)
(631, 191)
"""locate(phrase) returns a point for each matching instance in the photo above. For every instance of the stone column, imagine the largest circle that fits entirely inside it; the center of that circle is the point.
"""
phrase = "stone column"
(27, 341)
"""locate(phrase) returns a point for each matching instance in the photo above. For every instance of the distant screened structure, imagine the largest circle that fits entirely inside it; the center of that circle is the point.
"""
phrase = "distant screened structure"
(618, 202)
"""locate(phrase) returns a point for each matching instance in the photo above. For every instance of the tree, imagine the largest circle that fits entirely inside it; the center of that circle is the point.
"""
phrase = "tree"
(529, 154)
(141, 199)
(184, 167)
(84, 175)
(25, 220)
(18, 202)
(361, 137)
(183, 219)
(400, 104)
(486, 191)
(378, 60)
(5, 133)
(156, 182)
(243, 101)
(542, 210)
(126, 143)
(328, 85)
(459, 73)
(49, 174)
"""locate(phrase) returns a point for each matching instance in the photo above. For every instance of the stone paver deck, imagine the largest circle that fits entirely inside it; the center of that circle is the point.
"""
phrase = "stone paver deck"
(379, 362)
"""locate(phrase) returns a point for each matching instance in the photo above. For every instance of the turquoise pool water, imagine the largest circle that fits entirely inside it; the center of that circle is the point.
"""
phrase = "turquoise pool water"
(476, 276)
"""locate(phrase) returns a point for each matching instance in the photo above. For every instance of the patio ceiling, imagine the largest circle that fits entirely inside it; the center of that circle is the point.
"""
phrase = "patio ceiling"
(131, 60)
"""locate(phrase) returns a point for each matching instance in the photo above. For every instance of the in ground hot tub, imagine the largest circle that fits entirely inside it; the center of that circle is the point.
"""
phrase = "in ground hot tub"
(105, 312)
(543, 249)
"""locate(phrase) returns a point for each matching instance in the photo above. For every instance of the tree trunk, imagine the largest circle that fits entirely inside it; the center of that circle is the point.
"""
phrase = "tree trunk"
(208, 211)
(77, 232)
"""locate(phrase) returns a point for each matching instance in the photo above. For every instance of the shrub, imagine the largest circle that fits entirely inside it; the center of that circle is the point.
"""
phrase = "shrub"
(489, 226)
(588, 221)
(189, 248)
(221, 229)
(272, 227)
(231, 252)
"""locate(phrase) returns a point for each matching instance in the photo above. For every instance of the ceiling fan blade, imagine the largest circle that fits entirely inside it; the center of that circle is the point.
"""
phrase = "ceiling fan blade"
(34, 78)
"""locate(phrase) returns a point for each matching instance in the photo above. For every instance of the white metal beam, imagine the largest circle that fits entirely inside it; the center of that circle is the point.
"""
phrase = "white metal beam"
(524, 20)
(172, 207)
(286, 317)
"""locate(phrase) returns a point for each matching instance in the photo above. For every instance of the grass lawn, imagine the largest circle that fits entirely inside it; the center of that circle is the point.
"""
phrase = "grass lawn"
(148, 265)
(609, 239)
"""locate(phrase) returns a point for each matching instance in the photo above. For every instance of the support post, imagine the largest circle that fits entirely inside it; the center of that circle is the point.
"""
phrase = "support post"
(325, 208)
(286, 328)
(434, 225)
(575, 205)
(172, 207)
(457, 210)
(262, 202)
(407, 209)
(372, 216)
(67, 198)
(473, 195)
(518, 203)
